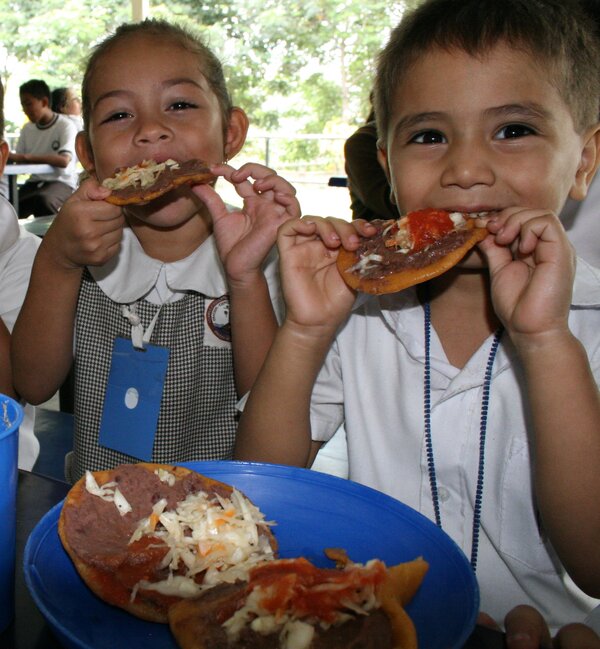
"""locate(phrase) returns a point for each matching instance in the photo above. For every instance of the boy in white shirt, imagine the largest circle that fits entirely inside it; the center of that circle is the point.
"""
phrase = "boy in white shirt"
(48, 138)
(477, 111)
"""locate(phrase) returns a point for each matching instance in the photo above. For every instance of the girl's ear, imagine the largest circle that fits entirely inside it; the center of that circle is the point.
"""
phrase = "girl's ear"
(83, 148)
(383, 161)
(237, 130)
(590, 159)
(3, 154)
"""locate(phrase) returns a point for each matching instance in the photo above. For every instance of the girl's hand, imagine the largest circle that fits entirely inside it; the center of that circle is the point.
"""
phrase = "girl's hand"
(87, 231)
(245, 237)
(532, 269)
(314, 291)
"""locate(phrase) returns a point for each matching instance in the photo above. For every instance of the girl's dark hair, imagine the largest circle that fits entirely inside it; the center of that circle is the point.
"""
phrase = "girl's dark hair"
(556, 33)
(59, 99)
(163, 30)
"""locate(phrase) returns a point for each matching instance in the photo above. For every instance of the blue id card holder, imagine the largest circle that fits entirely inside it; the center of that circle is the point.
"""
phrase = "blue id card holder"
(132, 400)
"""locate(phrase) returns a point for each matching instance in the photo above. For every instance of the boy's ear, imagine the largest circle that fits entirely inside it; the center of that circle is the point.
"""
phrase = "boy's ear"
(237, 130)
(4, 150)
(590, 159)
(84, 152)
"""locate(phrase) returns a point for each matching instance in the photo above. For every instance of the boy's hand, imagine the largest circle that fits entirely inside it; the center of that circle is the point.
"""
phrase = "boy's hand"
(525, 628)
(532, 269)
(245, 237)
(87, 231)
(314, 291)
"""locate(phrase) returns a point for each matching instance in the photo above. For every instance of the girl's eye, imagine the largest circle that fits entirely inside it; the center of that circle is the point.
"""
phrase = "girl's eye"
(428, 137)
(513, 131)
(116, 116)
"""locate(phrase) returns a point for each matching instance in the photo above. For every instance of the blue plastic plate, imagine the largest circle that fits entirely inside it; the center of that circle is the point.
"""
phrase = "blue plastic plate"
(313, 511)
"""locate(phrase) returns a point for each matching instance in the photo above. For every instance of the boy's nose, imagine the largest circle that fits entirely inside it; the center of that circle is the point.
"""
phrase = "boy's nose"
(467, 165)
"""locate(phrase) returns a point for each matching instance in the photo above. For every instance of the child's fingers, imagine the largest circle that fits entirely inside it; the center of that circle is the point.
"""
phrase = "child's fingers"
(577, 636)
(91, 190)
(335, 232)
(526, 629)
(212, 200)
(294, 230)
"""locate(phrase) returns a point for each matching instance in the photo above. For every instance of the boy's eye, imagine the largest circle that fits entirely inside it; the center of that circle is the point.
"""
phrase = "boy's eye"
(428, 137)
(181, 105)
(514, 131)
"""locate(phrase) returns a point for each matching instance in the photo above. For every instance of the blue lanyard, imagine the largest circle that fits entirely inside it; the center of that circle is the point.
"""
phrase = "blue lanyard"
(485, 402)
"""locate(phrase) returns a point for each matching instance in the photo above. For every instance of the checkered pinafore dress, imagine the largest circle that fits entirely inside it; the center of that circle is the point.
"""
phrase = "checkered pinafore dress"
(198, 418)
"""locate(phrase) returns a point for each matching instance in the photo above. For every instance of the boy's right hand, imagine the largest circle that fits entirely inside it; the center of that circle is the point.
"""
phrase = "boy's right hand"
(87, 231)
(314, 291)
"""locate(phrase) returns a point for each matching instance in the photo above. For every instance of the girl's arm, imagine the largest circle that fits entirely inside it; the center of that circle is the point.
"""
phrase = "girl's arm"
(275, 424)
(532, 270)
(244, 239)
(6, 381)
(87, 230)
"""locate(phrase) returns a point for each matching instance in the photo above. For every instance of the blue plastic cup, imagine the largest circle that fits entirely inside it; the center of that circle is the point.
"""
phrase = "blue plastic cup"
(11, 415)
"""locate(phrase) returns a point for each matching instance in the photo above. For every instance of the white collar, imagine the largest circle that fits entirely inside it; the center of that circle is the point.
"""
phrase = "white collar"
(586, 290)
(402, 312)
(9, 225)
(132, 274)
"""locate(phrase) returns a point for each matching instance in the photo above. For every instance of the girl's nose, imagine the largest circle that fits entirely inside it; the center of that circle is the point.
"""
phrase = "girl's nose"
(467, 165)
(151, 130)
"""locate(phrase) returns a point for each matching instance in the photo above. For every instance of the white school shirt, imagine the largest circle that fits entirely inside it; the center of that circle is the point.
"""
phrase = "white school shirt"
(17, 250)
(57, 137)
(132, 275)
(581, 220)
(372, 380)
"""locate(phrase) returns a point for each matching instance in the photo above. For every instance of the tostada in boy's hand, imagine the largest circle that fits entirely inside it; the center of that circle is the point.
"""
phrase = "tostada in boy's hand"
(410, 250)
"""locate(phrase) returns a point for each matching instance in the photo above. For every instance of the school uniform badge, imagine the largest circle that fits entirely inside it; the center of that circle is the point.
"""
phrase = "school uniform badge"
(217, 325)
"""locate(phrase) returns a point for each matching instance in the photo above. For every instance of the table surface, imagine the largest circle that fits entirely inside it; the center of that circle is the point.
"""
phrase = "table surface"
(26, 168)
(37, 494)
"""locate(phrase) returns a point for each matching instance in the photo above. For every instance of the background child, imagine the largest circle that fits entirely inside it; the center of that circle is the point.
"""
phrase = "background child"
(478, 110)
(154, 275)
(66, 101)
(48, 138)
(17, 250)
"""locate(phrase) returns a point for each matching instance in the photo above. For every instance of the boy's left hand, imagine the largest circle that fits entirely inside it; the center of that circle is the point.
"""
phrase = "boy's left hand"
(532, 269)
(244, 237)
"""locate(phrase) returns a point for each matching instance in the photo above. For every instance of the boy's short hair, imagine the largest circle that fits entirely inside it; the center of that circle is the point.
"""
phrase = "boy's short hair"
(556, 33)
(36, 88)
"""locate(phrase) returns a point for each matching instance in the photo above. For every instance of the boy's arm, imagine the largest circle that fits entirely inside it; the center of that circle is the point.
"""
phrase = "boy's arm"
(86, 231)
(531, 291)
(275, 424)
(54, 159)
(565, 407)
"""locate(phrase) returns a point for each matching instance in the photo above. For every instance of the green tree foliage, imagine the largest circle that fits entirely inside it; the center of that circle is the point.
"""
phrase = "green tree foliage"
(306, 62)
